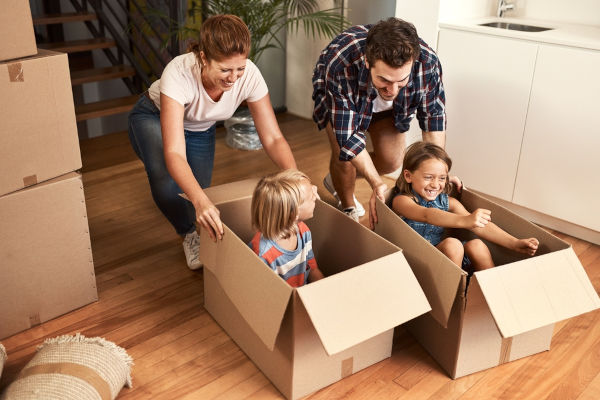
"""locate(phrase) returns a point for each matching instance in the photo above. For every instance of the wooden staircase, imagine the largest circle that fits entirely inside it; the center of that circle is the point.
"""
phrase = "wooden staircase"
(82, 69)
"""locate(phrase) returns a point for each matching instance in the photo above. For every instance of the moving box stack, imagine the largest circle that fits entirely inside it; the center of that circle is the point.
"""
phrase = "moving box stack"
(45, 252)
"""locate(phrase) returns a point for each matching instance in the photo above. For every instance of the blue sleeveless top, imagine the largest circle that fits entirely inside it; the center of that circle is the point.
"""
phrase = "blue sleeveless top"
(432, 233)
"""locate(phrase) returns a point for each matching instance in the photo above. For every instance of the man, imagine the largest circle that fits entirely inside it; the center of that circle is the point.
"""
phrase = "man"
(375, 78)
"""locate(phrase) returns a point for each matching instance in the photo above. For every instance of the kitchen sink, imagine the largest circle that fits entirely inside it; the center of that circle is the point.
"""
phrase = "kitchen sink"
(516, 27)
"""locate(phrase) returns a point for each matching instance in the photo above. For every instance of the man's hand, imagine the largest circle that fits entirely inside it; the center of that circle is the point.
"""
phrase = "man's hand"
(378, 193)
(455, 180)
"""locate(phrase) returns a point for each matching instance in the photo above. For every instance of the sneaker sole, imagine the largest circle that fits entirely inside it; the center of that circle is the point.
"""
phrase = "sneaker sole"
(360, 210)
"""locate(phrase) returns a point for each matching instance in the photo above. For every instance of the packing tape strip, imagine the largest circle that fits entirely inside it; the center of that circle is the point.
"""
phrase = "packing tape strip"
(30, 180)
(15, 72)
(505, 348)
(347, 367)
(76, 370)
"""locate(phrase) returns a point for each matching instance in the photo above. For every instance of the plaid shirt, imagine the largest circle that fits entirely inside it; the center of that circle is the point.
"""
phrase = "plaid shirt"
(343, 92)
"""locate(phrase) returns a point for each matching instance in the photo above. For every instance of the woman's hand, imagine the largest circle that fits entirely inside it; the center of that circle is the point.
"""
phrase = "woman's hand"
(209, 217)
(478, 218)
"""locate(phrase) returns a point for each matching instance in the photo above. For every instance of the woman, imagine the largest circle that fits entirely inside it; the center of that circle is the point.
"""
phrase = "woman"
(172, 127)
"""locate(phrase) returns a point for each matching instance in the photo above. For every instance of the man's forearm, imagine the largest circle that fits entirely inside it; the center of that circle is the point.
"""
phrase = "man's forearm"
(365, 167)
(436, 137)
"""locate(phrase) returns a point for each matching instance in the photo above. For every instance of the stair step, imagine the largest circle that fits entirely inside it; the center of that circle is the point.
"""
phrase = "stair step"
(105, 107)
(75, 46)
(101, 74)
(47, 19)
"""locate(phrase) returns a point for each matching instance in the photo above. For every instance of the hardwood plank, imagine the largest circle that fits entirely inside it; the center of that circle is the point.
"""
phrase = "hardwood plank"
(74, 46)
(82, 76)
(103, 108)
(47, 19)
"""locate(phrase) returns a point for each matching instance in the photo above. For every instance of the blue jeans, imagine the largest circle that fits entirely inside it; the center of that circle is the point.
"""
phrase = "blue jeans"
(146, 139)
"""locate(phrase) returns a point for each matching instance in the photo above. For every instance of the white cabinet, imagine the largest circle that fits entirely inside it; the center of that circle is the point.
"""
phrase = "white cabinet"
(559, 169)
(487, 81)
(522, 122)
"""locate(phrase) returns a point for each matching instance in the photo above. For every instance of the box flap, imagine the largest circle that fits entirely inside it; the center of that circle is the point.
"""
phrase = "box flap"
(231, 191)
(539, 291)
(359, 303)
(438, 276)
(259, 294)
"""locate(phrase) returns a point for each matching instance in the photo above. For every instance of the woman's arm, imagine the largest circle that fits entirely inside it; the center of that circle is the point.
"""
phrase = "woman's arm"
(171, 122)
(406, 207)
(276, 147)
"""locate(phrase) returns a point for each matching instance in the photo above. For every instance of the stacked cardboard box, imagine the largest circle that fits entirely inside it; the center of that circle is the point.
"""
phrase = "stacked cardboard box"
(500, 314)
(46, 268)
(306, 338)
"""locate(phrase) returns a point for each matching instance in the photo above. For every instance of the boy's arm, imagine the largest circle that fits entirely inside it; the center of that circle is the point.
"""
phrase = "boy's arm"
(454, 218)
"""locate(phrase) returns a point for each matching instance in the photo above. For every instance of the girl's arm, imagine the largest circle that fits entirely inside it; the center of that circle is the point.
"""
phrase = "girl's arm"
(406, 207)
(495, 234)
(276, 147)
(171, 122)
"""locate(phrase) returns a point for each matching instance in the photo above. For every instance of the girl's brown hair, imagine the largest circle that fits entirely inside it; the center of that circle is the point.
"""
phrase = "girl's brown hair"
(416, 154)
(222, 36)
(275, 203)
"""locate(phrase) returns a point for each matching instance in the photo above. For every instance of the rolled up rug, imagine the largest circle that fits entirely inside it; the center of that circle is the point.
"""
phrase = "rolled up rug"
(73, 368)
(2, 357)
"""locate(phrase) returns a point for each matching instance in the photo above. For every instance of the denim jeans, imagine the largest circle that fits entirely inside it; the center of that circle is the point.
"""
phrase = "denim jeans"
(146, 139)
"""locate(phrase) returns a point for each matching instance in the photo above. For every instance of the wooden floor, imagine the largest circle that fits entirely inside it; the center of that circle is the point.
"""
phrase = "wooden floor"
(151, 303)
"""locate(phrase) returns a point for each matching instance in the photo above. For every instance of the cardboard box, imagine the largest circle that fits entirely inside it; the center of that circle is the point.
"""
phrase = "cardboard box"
(38, 133)
(45, 254)
(16, 30)
(306, 338)
(504, 313)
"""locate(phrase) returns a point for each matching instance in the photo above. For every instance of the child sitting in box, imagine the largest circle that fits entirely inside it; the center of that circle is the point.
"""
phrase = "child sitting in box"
(421, 200)
(279, 205)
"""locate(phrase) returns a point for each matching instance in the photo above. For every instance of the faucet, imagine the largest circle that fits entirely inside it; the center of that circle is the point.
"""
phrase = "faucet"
(504, 6)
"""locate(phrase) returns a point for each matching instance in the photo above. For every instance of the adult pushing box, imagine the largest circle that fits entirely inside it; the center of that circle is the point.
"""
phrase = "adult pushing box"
(504, 313)
(37, 119)
(306, 338)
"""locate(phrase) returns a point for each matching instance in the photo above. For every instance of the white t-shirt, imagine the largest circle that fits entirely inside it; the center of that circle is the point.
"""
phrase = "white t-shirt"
(181, 81)
(380, 104)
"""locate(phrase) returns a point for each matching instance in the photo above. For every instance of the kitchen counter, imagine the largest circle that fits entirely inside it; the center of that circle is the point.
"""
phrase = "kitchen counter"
(583, 36)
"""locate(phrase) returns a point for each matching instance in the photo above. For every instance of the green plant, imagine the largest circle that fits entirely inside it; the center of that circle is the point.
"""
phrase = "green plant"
(266, 19)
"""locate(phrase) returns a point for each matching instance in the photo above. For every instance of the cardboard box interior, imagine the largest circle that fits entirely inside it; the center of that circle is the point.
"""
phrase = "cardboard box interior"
(501, 314)
(37, 119)
(47, 268)
(306, 338)
(16, 30)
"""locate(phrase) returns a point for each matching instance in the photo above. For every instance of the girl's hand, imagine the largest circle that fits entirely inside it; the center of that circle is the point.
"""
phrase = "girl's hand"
(208, 216)
(478, 218)
(527, 246)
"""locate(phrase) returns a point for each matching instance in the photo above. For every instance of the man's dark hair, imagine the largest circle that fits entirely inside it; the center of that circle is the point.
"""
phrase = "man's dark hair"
(393, 41)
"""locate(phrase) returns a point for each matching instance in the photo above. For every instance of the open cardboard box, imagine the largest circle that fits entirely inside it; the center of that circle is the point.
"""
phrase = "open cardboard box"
(46, 266)
(504, 313)
(306, 338)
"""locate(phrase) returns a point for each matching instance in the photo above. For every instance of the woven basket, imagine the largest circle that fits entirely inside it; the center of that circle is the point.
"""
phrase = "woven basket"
(73, 368)
(2, 357)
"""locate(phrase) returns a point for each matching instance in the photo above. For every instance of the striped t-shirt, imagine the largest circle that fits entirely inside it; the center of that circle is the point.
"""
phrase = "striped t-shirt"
(293, 266)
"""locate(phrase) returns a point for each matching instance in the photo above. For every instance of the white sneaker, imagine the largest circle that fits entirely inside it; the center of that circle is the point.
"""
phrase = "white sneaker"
(358, 208)
(352, 212)
(191, 246)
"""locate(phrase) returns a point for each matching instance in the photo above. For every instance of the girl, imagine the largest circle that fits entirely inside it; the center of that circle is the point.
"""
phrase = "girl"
(279, 205)
(423, 203)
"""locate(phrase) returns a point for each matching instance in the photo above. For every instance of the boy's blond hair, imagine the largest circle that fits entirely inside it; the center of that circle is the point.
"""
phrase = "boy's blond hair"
(275, 203)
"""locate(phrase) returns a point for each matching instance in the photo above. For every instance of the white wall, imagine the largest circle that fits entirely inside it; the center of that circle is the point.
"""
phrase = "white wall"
(586, 12)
